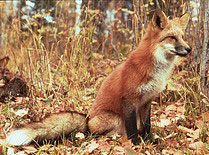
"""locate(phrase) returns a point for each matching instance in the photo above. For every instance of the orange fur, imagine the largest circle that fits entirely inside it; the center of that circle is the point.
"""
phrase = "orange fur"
(133, 84)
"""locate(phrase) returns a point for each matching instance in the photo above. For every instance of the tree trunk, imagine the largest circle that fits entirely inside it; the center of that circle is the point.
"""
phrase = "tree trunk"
(204, 86)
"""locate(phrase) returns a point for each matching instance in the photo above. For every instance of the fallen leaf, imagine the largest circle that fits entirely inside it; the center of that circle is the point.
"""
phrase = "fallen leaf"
(91, 147)
(18, 100)
(21, 100)
(170, 108)
(199, 123)
(178, 117)
(10, 151)
(197, 145)
(171, 135)
(2, 142)
(155, 136)
(45, 147)
(80, 135)
(147, 153)
(181, 109)
(119, 150)
(127, 145)
(21, 153)
(115, 136)
(2, 83)
(172, 151)
(29, 149)
(104, 147)
(163, 116)
(205, 116)
(163, 123)
(185, 129)
(21, 112)
(195, 134)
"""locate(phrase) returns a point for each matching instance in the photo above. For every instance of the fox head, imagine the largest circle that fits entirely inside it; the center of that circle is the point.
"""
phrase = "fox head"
(168, 35)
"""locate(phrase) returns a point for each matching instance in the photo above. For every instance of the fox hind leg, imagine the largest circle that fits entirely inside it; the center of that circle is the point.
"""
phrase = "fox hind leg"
(106, 123)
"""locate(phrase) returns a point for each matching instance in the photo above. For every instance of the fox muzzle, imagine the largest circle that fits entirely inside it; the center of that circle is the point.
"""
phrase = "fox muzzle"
(182, 51)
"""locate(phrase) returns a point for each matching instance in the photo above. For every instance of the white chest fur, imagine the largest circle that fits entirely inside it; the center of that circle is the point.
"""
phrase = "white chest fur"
(163, 65)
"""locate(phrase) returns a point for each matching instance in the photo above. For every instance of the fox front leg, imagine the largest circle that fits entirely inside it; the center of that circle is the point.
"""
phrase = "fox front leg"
(145, 124)
(129, 112)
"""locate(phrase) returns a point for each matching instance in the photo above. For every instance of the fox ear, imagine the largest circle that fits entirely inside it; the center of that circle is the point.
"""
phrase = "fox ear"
(159, 19)
(184, 20)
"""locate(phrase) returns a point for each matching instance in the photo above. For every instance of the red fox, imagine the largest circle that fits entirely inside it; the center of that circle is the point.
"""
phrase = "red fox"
(123, 102)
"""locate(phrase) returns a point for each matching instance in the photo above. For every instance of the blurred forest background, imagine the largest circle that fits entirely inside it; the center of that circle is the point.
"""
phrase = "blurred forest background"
(44, 32)
(64, 49)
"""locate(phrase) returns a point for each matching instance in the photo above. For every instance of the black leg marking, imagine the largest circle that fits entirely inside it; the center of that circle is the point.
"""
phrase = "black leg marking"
(147, 128)
(131, 127)
(129, 111)
(147, 124)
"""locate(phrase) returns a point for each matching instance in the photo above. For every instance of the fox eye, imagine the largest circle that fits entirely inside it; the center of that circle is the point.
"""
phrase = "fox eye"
(173, 37)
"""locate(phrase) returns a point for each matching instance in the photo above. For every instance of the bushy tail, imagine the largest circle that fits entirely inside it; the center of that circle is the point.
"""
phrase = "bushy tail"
(52, 127)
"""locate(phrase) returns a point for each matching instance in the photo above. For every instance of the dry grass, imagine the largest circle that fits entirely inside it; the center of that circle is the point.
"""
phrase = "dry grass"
(64, 71)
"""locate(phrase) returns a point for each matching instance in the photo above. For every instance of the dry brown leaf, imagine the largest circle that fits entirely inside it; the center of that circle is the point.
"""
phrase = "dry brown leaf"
(172, 151)
(21, 112)
(2, 142)
(170, 135)
(203, 122)
(185, 129)
(205, 116)
(197, 145)
(181, 109)
(195, 134)
(29, 149)
(163, 123)
(199, 123)
(21, 100)
(119, 150)
(104, 147)
(147, 153)
(126, 144)
(91, 147)
(21, 153)
(170, 108)
(123, 139)
(163, 116)
(179, 117)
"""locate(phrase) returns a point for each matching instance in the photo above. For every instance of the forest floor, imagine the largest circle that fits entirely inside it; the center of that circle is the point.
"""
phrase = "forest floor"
(177, 125)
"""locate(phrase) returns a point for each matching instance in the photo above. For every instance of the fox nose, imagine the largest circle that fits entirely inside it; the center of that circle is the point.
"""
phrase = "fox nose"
(188, 49)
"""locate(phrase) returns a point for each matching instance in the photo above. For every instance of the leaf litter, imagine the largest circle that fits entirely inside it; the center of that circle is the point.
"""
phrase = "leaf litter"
(171, 131)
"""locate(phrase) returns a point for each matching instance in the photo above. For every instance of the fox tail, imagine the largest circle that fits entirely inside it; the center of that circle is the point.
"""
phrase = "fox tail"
(52, 127)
